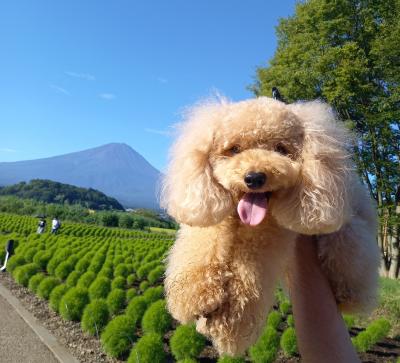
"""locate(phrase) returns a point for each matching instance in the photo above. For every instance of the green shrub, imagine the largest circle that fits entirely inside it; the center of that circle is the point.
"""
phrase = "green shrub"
(156, 319)
(35, 280)
(349, 321)
(289, 342)
(130, 294)
(153, 294)
(86, 279)
(42, 258)
(284, 307)
(146, 268)
(116, 301)
(186, 342)
(362, 342)
(29, 253)
(106, 272)
(131, 279)
(73, 278)
(228, 359)
(63, 270)
(290, 320)
(118, 336)
(148, 349)
(119, 282)
(100, 288)
(73, 303)
(56, 296)
(121, 270)
(82, 265)
(14, 262)
(46, 287)
(22, 274)
(266, 347)
(378, 329)
(144, 285)
(95, 317)
(155, 274)
(274, 319)
(136, 309)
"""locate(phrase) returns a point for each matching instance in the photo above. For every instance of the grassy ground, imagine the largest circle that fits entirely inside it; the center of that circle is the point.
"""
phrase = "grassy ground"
(171, 232)
(388, 308)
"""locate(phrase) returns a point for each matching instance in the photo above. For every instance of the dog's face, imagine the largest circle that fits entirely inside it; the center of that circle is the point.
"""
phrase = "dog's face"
(257, 153)
(259, 158)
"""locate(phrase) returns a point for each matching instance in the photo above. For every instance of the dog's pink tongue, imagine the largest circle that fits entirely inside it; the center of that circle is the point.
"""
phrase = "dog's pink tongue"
(252, 208)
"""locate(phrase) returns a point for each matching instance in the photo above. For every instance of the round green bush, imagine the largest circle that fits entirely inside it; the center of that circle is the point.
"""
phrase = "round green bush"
(155, 274)
(156, 319)
(46, 287)
(95, 317)
(118, 336)
(284, 307)
(149, 348)
(100, 288)
(362, 342)
(121, 270)
(22, 274)
(349, 320)
(153, 294)
(144, 285)
(106, 272)
(289, 342)
(42, 258)
(378, 329)
(73, 278)
(186, 342)
(130, 294)
(116, 301)
(136, 309)
(228, 359)
(56, 296)
(131, 279)
(30, 253)
(35, 280)
(266, 347)
(82, 265)
(86, 279)
(119, 282)
(290, 320)
(73, 303)
(144, 269)
(63, 270)
(14, 262)
(274, 319)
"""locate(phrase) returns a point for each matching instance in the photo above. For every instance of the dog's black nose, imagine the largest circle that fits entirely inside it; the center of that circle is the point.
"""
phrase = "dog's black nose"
(255, 180)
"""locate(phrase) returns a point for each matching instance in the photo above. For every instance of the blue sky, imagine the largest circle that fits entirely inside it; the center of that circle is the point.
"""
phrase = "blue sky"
(76, 74)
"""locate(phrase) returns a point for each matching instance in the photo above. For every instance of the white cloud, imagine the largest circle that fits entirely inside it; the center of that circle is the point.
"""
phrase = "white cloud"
(159, 132)
(85, 76)
(7, 150)
(60, 89)
(107, 96)
(162, 80)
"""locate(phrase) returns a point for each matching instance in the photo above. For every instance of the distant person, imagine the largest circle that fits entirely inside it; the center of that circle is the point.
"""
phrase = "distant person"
(55, 225)
(41, 226)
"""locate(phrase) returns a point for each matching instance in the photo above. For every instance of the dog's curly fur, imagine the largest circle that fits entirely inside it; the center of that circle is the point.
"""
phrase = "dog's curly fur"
(222, 273)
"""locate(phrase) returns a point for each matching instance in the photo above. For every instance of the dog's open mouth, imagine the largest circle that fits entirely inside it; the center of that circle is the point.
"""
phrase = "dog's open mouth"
(252, 208)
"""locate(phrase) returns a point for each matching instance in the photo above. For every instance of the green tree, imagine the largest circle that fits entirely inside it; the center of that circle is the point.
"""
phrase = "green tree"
(346, 52)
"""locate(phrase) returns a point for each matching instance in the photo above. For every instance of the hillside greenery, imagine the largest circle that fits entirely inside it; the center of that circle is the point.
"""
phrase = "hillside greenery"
(48, 191)
(135, 219)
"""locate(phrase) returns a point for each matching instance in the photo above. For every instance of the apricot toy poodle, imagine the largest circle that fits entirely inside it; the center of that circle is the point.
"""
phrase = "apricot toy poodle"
(244, 180)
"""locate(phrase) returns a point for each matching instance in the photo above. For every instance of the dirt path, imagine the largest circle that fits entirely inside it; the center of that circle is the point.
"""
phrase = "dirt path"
(18, 342)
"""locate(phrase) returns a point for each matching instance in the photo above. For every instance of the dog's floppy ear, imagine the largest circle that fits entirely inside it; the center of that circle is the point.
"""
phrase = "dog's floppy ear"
(320, 204)
(190, 192)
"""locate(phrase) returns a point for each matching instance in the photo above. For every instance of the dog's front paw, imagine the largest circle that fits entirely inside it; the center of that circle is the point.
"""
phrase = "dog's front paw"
(196, 293)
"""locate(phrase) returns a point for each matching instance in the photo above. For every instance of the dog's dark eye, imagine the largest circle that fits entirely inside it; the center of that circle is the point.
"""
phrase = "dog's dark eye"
(281, 149)
(235, 149)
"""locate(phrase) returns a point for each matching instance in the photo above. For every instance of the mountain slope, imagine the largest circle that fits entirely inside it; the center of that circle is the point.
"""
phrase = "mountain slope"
(115, 169)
